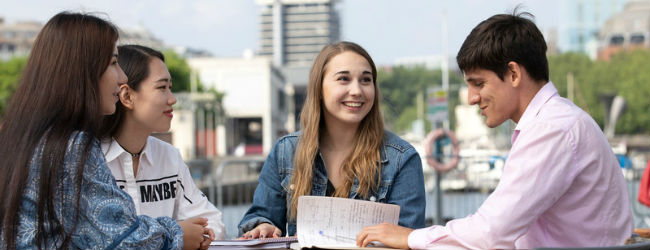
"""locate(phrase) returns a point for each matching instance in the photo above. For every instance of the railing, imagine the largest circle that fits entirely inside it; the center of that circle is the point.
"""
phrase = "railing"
(250, 174)
(464, 189)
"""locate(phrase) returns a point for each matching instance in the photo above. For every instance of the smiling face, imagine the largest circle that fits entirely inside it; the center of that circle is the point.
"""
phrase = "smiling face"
(348, 90)
(109, 85)
(152, 103)
(497, 98)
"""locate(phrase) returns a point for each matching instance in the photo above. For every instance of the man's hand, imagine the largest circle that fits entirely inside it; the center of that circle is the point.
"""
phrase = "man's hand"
(264, 230)
(392, 235)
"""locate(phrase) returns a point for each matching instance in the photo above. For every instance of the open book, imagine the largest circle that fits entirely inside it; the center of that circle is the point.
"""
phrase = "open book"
(324, 222)
(328, 222)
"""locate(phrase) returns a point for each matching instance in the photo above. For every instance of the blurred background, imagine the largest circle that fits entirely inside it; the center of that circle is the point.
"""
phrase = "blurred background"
(240, 70)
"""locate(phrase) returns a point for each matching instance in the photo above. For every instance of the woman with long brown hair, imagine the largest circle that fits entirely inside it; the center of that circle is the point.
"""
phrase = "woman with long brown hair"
(342, 150)
(57, 192)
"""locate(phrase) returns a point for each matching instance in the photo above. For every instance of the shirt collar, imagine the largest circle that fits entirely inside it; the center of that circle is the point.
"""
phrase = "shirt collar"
(113, 150)
(541, 97)
(147, 151)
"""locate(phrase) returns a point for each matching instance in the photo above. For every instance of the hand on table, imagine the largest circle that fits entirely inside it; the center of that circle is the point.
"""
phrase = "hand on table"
(391, 235)
(264, 230)
(193, 230)
(208, 237)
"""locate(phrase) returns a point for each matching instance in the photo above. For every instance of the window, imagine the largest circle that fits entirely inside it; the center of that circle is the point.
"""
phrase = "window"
(616, 40)
(637, 39)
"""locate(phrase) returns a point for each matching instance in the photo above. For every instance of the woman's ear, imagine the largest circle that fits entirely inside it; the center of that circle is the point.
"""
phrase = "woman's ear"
(126, 96)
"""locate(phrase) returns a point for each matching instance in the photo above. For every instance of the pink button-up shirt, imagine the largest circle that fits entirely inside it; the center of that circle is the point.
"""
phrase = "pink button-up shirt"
(561, 187)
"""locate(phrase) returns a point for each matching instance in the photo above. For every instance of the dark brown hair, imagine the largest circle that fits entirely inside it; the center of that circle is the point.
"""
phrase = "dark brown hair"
(502, 39)
(134, 60)
(58, 94)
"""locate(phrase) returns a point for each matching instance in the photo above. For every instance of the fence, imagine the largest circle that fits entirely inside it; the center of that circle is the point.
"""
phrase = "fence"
(230, 186)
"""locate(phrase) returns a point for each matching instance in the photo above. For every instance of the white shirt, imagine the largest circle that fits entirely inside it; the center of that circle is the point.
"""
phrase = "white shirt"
(163, 185)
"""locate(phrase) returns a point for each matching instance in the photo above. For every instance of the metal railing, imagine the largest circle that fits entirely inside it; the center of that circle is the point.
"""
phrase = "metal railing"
(457, 200)
(250, 174)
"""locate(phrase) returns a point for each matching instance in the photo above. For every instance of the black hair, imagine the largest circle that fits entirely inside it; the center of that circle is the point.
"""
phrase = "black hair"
(502, 39)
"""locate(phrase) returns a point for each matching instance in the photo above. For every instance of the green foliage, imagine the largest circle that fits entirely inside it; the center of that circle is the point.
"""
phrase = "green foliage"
(406, 118)
(631, 79)
(217, 94)
(10, 72)
(400, 87)
(180, 72)
(626, 74)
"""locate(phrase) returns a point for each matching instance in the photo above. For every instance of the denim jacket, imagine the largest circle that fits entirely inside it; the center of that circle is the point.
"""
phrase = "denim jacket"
(402, 183)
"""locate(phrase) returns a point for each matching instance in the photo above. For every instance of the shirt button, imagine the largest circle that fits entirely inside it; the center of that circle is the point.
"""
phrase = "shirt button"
(372, 198)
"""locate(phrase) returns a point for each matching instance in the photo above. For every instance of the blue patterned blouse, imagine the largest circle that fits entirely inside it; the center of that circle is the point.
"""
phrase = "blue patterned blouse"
(107, 215)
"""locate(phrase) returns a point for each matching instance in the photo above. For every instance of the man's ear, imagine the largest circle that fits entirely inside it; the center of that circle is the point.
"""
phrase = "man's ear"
(126, 96)
(514, 73)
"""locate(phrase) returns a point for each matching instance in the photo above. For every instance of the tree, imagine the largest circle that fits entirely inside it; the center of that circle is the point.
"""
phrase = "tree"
(399, 87)
(631, 79)
(180, 72)
(625, 74)
(10, 72)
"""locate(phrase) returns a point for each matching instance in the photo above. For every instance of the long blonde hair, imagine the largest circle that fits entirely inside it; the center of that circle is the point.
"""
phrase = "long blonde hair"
(363, 162)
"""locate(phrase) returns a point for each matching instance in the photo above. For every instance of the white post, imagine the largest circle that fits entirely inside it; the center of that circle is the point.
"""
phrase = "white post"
(444, 66)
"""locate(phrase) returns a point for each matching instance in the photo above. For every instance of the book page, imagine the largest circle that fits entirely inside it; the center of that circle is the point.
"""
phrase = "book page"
(335, 222)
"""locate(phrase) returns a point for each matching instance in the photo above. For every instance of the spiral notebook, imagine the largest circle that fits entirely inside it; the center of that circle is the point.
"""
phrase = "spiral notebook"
(267, 243)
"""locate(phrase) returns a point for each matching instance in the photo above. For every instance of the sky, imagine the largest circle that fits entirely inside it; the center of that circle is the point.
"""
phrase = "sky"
(388, 29)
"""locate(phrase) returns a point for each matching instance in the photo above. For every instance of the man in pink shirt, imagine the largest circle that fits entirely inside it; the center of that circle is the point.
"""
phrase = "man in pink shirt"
(561, 184)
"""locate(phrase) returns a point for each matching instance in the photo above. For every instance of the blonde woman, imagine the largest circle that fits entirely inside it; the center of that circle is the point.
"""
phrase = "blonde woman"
(342, 151)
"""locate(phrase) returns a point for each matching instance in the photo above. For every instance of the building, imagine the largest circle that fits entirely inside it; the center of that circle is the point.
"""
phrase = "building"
(195, 129)
(187, 52)
(141, 36)
(292, 33)
(257, 104)
(580, 24)
(17, 39)
(628, 29)
(551, 37)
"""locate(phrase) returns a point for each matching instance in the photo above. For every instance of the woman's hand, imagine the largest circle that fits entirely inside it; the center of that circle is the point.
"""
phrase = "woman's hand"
(392, 235)
(193, 230)
(264, 230)
(208, 237)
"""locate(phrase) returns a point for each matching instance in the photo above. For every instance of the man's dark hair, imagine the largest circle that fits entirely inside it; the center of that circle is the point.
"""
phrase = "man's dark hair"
(502, 39)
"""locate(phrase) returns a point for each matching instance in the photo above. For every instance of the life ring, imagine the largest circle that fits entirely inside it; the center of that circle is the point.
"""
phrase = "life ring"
(428, 149)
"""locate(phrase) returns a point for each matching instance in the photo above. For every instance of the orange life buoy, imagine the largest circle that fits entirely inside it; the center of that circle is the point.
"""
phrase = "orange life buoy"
(428, 148)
